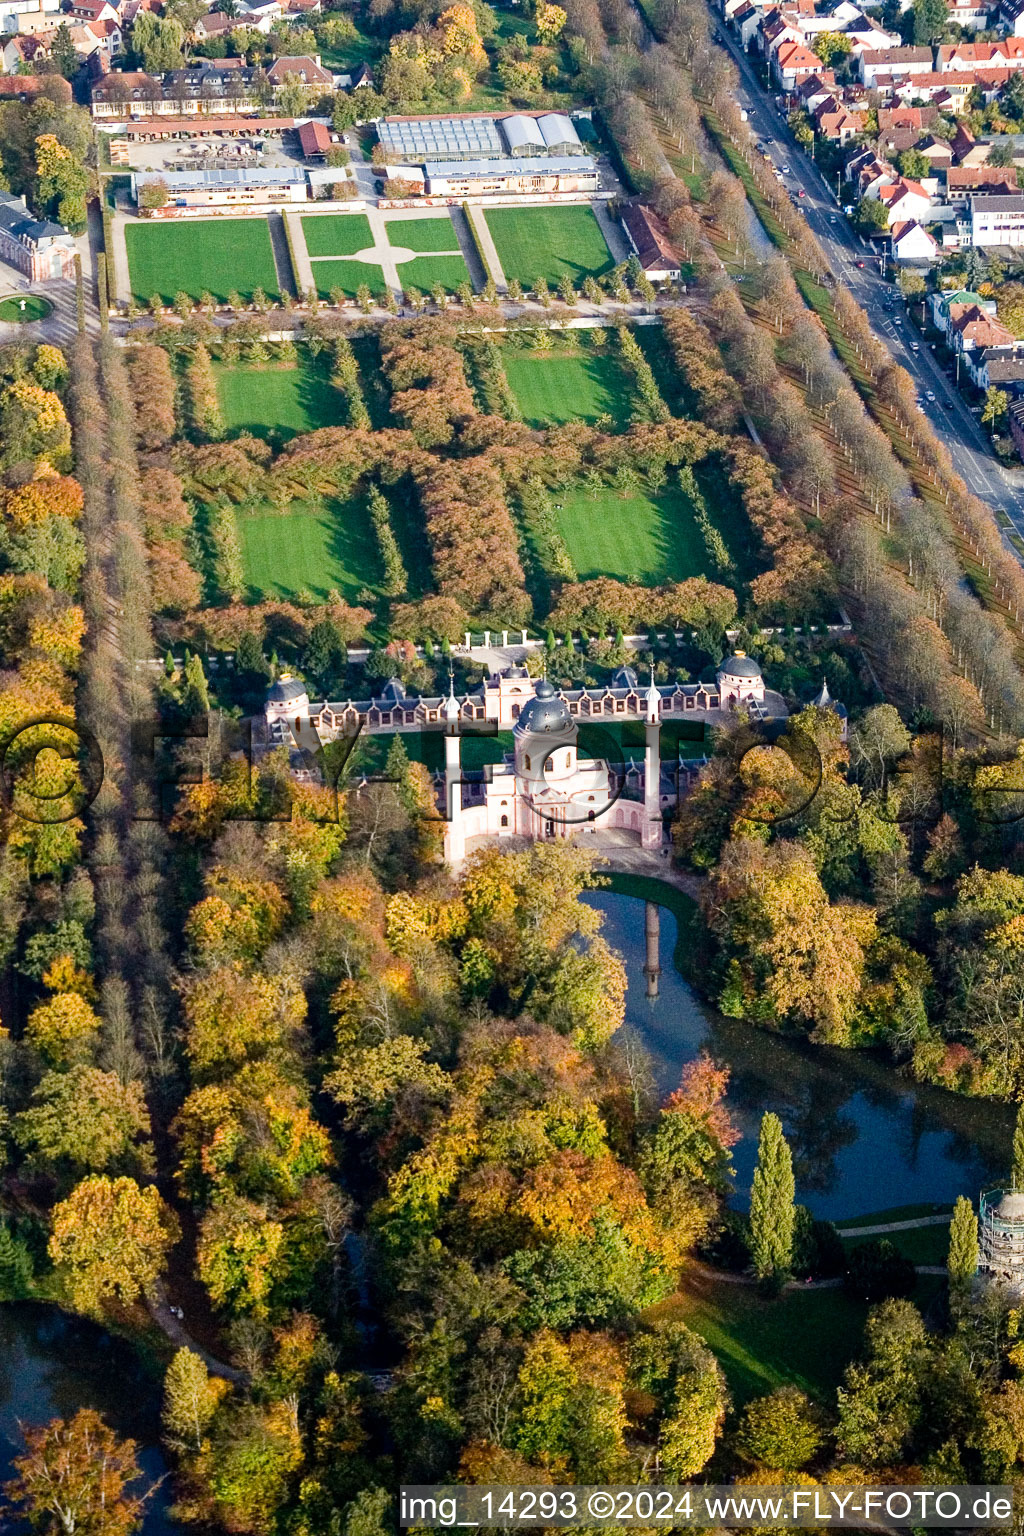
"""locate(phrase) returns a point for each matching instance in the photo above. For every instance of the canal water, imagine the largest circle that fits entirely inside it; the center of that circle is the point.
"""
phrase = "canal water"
(51, 1365)
(863, 1138)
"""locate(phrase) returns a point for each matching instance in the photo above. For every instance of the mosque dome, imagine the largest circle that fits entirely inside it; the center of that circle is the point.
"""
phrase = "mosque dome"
(545, 712)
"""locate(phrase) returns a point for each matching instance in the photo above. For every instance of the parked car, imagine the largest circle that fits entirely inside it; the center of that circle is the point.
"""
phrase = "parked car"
(785, 170)
(860, 264)
(916, 347)
(930, 396)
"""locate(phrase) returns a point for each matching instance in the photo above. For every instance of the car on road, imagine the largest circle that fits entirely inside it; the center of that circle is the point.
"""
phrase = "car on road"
(801, 192)
(785, 170)
(831, 218)
(948, 404)
(915, 346)
(930, 396)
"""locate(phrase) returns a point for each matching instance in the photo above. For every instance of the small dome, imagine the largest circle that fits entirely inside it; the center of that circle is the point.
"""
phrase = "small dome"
(1011, 1206)
(545, 711)
(285, 690)
(625, 677)
(824, 700)
(740, 666)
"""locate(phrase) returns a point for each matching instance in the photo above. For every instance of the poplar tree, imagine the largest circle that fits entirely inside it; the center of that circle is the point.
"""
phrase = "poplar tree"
(1017, 1163)
(772, 1203)
(963, 1244)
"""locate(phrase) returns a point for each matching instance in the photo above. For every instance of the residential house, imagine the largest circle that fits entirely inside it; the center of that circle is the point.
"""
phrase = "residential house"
(904, 200)
(936, 151)
(793, 62)
(362, 75)
(881, 64)
(260, 17)
(814, 89)
(93, 10)
(1002, 371)
(214, 24)
(745, 21)
(942, 302)
(28, 87)
(108, 35)
(29, 16)
(19, 51)
(969, 15)
(970, 329)
(1010, 17)
(954, 58)
(832, 121)
(869, 174)
(649, 239)
(912, 242)
(963, 181)
(997, 221)
(966, 149)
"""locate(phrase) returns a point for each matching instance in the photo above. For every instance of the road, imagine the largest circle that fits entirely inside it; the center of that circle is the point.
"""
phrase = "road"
(957, 427)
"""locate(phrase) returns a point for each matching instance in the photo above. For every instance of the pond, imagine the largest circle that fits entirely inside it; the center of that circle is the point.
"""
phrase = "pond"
(863, 1137)
(52, 1364)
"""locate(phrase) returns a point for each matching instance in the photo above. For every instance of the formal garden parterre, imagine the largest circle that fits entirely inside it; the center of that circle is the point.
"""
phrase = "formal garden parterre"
(410, 487)
(221, 257)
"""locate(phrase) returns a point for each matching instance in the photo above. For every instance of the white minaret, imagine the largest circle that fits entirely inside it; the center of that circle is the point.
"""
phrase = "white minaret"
(455, 836)
(652, 830)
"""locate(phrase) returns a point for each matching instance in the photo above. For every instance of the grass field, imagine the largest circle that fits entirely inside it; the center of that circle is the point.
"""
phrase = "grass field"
(802, 1338)
(646, 539)
(36, 308)
(219, 256)
(422, 234)
(424, 272)
(349, 276)
(336, 234)
(316, 548)
(553, 387)
(279, 400)
(547, 242)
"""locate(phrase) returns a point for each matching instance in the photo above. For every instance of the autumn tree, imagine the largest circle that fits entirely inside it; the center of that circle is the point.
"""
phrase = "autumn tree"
(73, 1477)
(87, 1121)
(110, 1240)
(781, 1431)
(191, 1397)
(772, 1203)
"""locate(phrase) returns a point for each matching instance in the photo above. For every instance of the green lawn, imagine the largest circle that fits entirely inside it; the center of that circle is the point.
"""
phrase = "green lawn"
(923, 1245)
(35, 308)
(646, 539)
(279, 399)
(547, 242)
(219, 256)
(803, 1338)
(336, 234)
(437, 234)
(349, 276)
(424, 272)
(317, 548)
(554, 387)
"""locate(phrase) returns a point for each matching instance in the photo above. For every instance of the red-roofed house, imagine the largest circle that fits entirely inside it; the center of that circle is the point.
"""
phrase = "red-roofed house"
(912, 242)
(833, 121)
(93, 10)
(314, 141)
(794, 62)
(905, 200)
(649, 239)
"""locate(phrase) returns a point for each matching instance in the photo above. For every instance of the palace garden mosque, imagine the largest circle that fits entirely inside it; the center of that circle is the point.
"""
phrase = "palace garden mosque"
(565, 776)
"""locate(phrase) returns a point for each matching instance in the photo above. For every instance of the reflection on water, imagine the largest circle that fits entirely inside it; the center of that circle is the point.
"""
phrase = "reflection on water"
(863, 1138)
(51, 1365)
